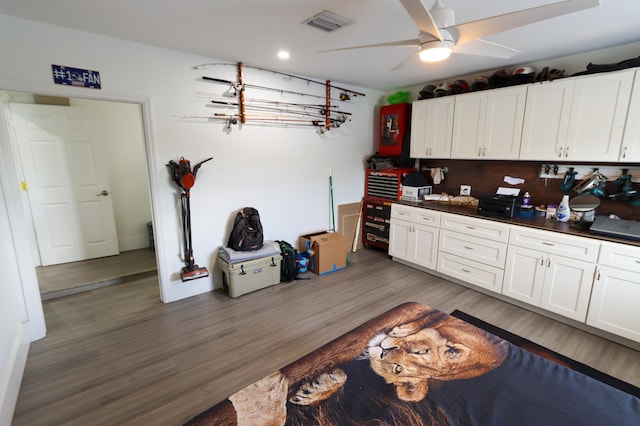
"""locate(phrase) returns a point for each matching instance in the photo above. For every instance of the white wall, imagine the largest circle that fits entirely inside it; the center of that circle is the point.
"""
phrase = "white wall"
(281, 171)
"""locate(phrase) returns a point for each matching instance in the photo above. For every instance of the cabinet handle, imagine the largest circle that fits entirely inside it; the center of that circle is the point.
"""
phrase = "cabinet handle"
(542, 261)
(548, 244)
(624, 152)
(479, 151)
(566, 152)
(637, 261)
(598, 276)
(470, 227)
(468, 248)
(560, 153)
(466, 270)
(548, 263)
(484, 151)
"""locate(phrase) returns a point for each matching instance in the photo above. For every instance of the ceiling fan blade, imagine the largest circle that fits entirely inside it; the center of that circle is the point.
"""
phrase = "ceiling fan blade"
(401, 43)
(404, 61)
(482, 47)
(421, 16)
(483, 27)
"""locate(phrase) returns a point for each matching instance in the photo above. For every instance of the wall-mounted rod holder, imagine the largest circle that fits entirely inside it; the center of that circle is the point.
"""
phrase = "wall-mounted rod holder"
(584, 171)
(428, 169)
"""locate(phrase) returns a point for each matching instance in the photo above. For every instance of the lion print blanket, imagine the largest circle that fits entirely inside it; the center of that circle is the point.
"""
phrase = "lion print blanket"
(415, 365)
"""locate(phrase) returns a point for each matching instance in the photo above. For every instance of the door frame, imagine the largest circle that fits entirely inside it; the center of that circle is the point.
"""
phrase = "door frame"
(15, 212)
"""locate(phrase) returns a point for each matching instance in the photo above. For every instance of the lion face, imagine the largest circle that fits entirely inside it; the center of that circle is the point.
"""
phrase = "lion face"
(409, 356)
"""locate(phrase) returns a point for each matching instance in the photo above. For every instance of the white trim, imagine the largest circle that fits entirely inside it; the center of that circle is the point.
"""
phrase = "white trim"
(10, 385)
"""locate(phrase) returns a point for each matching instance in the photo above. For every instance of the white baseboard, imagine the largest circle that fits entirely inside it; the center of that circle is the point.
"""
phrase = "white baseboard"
(12, 376)
(133, 242)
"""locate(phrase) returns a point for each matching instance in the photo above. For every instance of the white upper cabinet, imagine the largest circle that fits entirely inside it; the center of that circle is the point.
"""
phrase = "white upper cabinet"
(578, 119)
(431, 128)
(487, 125)
(546, 120)
(630, 150)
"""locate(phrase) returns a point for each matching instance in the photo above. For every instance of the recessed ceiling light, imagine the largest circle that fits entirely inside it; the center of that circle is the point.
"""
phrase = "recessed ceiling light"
(283, 54)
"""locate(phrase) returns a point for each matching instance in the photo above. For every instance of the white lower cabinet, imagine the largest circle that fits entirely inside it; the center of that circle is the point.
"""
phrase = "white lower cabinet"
(584, 279)
(413, 235)
(615, 300)
(560, 284)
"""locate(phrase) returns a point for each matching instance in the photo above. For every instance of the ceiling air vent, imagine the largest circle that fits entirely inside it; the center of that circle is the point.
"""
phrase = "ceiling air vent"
(327, 21)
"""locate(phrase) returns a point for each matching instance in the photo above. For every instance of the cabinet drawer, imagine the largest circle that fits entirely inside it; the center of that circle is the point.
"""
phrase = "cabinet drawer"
(377, 209)
(427, 217)
(554, 243)
(399, 211)
(620, 256)
(481, 250)
(480, 228)
(475, 273)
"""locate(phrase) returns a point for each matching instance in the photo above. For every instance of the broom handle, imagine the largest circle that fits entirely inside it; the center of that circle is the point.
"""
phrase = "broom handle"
(355, 238)
(333, 218)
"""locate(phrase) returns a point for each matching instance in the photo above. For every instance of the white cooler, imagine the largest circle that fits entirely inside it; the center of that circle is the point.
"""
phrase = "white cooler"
(250, 275)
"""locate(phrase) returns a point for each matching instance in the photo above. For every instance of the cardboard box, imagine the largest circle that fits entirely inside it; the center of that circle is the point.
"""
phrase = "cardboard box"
(415, 193)
(328, 251)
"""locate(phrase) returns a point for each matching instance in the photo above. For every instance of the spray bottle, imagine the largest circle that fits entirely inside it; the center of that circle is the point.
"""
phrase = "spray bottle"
(563, 213)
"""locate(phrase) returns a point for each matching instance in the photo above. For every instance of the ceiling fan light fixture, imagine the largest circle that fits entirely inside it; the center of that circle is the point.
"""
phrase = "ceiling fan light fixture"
(434, 51)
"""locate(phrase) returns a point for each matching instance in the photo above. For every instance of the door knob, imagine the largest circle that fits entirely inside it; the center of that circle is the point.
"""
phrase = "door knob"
(104, 193)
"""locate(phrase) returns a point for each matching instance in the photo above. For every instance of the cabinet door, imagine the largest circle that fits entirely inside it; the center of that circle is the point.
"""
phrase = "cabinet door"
(598, 114)
(567, 287)
(503, 123)
(630, 151)
(614, 303)
(524, 275)
(431, 128)
(546, 120)
(425, 246)
(468, 125)
(399, 239)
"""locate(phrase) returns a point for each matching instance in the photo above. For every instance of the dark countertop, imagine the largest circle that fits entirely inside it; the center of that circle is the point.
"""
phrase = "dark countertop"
(537, 222)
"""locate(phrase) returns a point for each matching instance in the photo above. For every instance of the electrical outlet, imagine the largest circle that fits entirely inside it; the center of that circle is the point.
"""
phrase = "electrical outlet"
(465, 189)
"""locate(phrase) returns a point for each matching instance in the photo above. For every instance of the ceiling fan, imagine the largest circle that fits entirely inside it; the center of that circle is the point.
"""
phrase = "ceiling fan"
(439, 35)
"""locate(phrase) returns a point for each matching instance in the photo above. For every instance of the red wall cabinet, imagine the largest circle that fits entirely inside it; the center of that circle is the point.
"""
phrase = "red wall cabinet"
(395, 124)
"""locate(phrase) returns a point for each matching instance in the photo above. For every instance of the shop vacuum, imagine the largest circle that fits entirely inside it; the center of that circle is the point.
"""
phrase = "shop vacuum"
(185, 179)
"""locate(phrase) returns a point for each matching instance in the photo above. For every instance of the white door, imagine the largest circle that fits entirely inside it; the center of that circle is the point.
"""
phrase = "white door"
(67, 182)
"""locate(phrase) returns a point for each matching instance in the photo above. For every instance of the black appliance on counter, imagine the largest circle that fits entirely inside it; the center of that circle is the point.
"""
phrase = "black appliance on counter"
(496, 205)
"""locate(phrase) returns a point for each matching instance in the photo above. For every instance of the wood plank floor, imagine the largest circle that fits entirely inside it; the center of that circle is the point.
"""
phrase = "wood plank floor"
(75, 277)
(117, 355)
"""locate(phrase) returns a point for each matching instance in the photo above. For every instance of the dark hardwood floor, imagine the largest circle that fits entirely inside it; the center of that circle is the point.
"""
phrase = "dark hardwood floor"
(118, 356)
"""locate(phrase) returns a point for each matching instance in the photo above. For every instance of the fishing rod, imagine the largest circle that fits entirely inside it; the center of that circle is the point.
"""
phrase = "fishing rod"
(321, 107)
(303, 112)
(273, 121)
(308, 80)
(337, 121)
(240, 86)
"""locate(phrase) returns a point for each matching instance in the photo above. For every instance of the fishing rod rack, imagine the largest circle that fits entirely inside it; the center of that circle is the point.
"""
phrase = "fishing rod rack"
(322, 116)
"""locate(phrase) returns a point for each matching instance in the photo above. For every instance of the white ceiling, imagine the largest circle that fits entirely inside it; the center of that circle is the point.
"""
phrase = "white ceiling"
(252, 31)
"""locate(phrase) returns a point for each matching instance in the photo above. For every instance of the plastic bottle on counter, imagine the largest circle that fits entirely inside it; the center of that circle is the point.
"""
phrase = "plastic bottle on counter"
(563, 213)
(526, 199)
